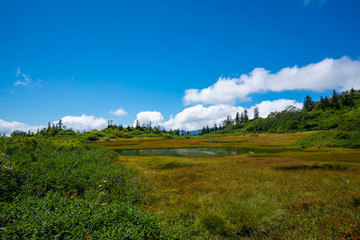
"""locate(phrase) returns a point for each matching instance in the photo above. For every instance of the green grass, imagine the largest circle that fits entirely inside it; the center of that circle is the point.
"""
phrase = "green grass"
(177, 164)
(69, 190)
(285, 194)
(333, 167)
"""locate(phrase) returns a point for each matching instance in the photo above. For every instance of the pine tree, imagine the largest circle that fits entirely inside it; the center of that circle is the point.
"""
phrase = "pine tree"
(308, 103)
(137, 124)
(237, 118)
(246, 117)
(60, 124)
(256, 113)
(242, 117)
(335, 100)
(326, 102)
(322, 103)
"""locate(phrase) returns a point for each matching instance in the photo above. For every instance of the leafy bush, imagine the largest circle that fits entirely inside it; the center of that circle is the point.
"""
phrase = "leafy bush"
(56, 216)
(331, 138)
(93, 137)
(64, 189)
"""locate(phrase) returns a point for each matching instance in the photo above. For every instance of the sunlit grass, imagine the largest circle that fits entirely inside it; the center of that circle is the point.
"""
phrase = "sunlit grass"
(247, 196)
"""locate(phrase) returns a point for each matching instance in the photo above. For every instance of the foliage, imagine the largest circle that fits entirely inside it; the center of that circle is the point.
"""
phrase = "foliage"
(340, 114)
(332, 138)
(59, 217)
(65, 189)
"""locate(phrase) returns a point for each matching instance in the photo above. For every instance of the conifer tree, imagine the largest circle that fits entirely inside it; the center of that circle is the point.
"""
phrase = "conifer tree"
(246, 117)
(137, 124)
(256, 113)
(335, 100)
(308, 103)
(237, 118)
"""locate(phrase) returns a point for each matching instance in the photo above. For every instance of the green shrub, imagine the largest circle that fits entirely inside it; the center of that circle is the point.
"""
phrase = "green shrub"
(55, 216)
(68, 190)
(93, 137)
(331, 138)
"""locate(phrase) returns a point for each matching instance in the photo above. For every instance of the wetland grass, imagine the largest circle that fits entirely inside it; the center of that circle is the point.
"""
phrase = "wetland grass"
(278, 195)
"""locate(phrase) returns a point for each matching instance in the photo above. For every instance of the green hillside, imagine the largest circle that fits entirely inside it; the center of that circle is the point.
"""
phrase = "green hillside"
(336, 121)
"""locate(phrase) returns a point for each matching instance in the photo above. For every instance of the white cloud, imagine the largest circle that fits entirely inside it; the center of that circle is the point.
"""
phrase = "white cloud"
(80, 123)
(146, 117)
(83, 122)
(119, 112)
(8, 127)
(341, 74)
(198, 116)
(266, 107)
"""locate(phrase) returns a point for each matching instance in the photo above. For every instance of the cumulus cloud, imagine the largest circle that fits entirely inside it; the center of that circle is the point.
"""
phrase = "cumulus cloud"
(80, 123)
(84, 122)
(146, 117)
(341, 74)
(195, 117)
(119, 112)
(266, 107)
(8, 127)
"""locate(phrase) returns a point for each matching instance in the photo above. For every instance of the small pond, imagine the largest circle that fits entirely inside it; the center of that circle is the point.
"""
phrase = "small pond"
(194, 152)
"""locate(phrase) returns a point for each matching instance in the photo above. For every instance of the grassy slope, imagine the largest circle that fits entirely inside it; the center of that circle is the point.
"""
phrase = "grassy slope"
(247, 196)
(337, 127)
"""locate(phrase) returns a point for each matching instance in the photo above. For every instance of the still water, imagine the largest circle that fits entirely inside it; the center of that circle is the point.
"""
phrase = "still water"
(191, 152)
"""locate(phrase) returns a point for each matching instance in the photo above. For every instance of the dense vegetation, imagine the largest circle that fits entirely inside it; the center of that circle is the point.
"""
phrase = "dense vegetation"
(337, 120)
(276, 191)
(112, 131)
(54, 185)
(68, 190)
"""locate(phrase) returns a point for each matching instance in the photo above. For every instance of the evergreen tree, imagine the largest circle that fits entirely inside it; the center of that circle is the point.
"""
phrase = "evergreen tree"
(352, 92)
(228, 120)
(246, 117)
(308, 103)
(60, 124)
(242, 117)
(326, 102)
(137, 124)
(322, 103)
(335, 100)
(237, 118)
(256, 113)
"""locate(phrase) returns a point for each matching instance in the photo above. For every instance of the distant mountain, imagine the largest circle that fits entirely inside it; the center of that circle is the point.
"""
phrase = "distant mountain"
(195, 132)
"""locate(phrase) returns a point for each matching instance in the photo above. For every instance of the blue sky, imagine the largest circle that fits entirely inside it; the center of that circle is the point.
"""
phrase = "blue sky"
(81, 59)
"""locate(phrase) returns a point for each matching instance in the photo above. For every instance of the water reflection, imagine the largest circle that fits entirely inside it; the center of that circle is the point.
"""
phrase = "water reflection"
(188, 152)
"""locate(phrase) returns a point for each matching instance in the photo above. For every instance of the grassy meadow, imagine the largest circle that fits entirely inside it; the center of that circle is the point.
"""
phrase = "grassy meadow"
(288, 193)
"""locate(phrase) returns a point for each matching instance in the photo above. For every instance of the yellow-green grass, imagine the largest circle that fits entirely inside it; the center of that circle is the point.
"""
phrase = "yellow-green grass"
(248, 196)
